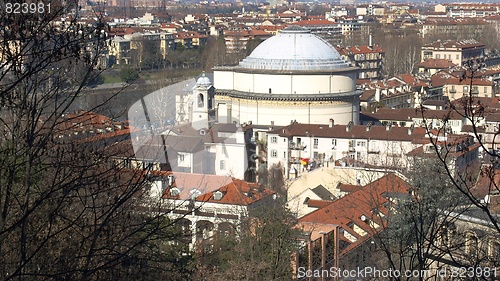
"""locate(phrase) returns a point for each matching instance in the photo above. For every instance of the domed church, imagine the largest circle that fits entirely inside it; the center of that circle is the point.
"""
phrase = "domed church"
(294, 75)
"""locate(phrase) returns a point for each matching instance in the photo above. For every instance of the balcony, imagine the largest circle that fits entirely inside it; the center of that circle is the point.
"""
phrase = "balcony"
(374, 150)
(352, 148)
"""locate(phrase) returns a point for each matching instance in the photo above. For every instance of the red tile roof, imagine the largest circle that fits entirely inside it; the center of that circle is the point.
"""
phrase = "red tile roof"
(436, 64)
(368, 201)
(238, 192)
(355, 131)
(234, 191)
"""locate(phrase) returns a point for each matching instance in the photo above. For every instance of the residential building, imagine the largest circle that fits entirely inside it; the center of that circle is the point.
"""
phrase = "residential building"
(369, 60)
(457, 84)
(431, 66)
(327, 184)
(443, 26)
(370, 10)
(396, 92)
(408, 117)
(207, 205)
(340, 234)
(301, 147)
(457, 52)
(458, 151)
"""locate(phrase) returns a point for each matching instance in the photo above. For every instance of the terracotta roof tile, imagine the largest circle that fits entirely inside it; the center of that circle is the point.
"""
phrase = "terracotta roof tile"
(367, 201)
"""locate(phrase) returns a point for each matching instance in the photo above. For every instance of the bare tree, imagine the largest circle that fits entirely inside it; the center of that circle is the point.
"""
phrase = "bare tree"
(66, 210)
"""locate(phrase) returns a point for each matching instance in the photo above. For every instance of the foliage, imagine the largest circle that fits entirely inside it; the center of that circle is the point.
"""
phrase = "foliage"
(67, 211)
(129, 74)
(412, 240)
(262, 250)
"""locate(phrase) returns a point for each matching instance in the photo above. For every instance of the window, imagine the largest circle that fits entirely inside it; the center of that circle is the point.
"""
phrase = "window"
(471, 244)
(222, 165)
(438, 56)
(352, 143)
(485, 90)
(495, 249)
(466, 89)
(274, 139)
(361, 143)
(457, 57)
(200, 100)
(182, 157)
(316, 141)
(274, 153)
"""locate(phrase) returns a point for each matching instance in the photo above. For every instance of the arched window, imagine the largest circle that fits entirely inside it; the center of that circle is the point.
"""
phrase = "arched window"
(200, 100)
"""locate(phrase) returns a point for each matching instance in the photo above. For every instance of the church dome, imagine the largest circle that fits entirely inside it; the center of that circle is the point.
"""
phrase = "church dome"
(203, 81)
(294, 49)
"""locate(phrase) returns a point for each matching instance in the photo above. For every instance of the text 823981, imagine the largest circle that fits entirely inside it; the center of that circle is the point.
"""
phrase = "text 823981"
(26, 8)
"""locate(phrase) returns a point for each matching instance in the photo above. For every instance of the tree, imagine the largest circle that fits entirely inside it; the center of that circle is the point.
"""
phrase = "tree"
(128, 74)
(414, 240)
(261, 250)
(473, 112)
(67, 211)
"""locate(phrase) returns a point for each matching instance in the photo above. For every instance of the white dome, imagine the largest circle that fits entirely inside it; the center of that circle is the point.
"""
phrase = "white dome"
(294, 48)
(203, 81)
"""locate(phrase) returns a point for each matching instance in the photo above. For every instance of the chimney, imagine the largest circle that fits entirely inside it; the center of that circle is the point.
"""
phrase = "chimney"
(410, 130)
(272, 126)
(369, 126)
(171, 180)
(349, 126)
(331, 123)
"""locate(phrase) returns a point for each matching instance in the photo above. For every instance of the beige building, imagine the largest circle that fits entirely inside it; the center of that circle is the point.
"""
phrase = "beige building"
(457, 52)
(455, 86)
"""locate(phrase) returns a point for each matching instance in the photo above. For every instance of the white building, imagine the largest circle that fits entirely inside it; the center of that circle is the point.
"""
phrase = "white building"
(206, 205)
(298, 147)
(195, 144)
(294, 75)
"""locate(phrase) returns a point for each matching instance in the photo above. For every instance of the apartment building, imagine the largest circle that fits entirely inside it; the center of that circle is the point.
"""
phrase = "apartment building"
(442, 25)
(403, 91)
(207, 206)
(457, 84)
(301, 147)
(431, 65)
(369, 59)
(408, 117)
(341, 234)
(370, 10)
(457, 52)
